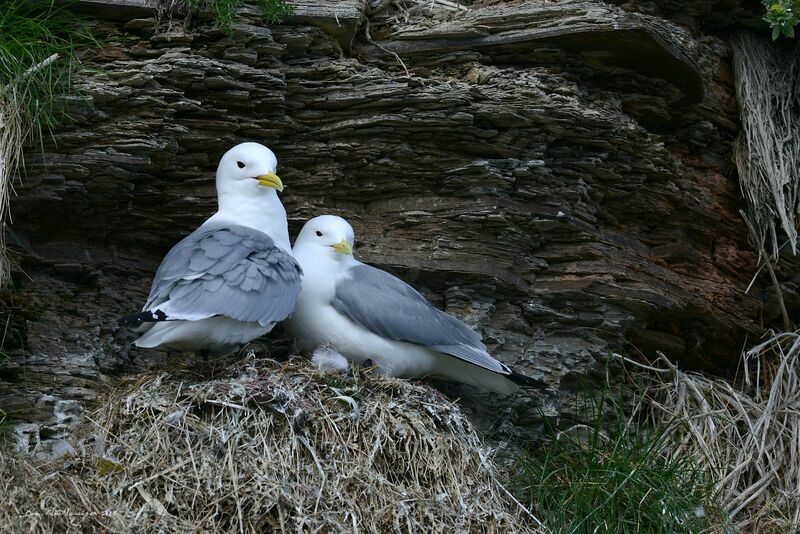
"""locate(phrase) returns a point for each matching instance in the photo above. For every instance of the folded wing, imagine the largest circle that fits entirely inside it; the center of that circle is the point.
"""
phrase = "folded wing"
(390, 308)
(227, 270)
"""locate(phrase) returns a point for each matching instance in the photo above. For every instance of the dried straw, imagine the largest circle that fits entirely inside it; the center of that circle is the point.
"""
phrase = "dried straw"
(14, 129)
(411, 15)
(767, 151)
(748, 440)
(272, 447)
(10, 143)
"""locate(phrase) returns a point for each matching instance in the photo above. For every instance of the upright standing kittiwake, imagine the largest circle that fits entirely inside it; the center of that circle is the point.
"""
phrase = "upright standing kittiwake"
(365, 313)
(232, 279)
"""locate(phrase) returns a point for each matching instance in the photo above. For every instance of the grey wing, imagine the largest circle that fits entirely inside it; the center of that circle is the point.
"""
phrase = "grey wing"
(229, 270)
(388, 307)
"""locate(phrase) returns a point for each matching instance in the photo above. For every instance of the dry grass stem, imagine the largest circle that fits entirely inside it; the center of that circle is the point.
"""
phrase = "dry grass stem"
(14, 129)
(12, 133)
(767, 151)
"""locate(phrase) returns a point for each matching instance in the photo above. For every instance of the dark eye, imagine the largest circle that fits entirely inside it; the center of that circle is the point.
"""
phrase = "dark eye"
(319, 234)
(240, 165)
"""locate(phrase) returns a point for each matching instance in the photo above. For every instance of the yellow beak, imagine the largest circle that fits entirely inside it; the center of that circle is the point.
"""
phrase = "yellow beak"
(342, 247)
(270, 180)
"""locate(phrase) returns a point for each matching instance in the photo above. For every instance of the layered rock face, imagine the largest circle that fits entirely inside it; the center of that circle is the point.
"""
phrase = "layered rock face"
(558, 174)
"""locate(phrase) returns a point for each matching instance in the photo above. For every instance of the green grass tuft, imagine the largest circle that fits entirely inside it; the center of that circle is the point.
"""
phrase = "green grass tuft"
(273, 11)
(609, 477)
(31, 32)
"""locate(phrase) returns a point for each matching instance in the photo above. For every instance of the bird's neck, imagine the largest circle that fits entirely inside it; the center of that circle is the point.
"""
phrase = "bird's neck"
(262, 212)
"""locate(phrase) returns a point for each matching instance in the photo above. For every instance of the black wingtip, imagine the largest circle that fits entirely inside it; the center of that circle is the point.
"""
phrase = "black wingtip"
(525, 381)
(138, 319)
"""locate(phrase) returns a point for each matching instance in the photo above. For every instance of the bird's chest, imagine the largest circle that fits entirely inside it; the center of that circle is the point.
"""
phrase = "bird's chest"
(316, 292)
(313, 315)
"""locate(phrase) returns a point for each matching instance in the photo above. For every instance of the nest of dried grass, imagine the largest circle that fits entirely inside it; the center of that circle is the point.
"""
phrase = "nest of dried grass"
(747, 436)
(269, 447)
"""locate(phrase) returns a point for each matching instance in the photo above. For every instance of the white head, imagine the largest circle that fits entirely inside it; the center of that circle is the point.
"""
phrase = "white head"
(326, 236)
(247, 192)
(247, 171)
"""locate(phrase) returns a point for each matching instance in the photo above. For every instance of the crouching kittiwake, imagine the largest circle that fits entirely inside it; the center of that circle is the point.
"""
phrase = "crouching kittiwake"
(233, 278)
(365, 313)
